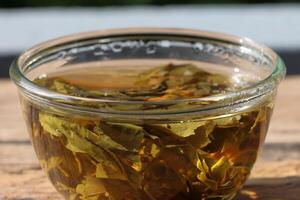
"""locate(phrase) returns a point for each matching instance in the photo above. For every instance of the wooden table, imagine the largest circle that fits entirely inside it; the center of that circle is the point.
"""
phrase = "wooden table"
(276, 175)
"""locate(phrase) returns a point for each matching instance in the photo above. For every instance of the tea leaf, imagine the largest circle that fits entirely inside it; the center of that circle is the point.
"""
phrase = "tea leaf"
(91, 189)
(220, 168)
(126, 135)
(184, 129)
(59, 126)
(201, 137)
(104, 170)
(51, 163)
(64, 188)
(154, 150)
(228, 121)
(211, 184)
(201, 164)
(151, 78)
(78, 139)
(161, 182)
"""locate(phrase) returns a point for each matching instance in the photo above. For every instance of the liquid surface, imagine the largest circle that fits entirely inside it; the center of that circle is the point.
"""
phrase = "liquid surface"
(94, 159)
(164, 82)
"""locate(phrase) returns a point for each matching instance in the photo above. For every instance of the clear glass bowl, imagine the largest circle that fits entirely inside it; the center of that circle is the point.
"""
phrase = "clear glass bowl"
(191, 148)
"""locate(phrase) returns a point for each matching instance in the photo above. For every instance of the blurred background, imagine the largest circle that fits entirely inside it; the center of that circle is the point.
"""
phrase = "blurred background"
(28, 22)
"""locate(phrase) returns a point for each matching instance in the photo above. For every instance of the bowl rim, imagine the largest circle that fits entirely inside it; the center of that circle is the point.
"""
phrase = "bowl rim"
(38, 93)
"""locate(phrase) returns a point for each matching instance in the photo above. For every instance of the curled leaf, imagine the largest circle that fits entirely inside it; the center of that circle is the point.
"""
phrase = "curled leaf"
(219, 169)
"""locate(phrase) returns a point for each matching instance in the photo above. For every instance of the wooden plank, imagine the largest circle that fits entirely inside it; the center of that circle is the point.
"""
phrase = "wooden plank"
(287, 111)
(12, 126)
(275, 175)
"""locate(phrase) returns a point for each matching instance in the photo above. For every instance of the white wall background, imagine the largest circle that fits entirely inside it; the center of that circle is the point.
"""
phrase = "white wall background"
(276, 25)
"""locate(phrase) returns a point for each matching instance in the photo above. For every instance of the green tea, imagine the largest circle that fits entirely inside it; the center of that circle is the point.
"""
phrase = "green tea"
(96, 159)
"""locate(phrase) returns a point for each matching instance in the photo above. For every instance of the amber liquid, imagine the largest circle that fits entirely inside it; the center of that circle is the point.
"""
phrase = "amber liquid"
(93, 159)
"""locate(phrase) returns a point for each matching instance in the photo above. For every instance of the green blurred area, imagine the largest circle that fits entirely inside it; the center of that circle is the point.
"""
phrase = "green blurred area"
(42, 3)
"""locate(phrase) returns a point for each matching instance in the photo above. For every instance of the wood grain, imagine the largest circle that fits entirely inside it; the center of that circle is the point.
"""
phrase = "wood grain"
(276, 175)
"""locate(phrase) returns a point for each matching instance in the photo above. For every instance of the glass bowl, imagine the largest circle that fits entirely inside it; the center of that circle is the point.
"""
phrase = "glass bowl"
(183, 148)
